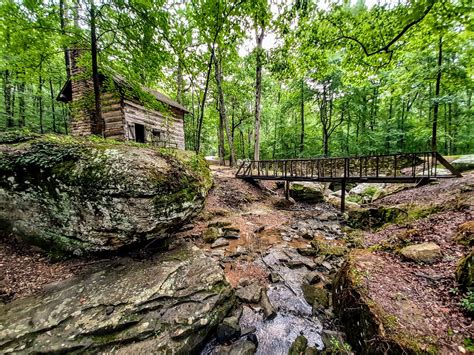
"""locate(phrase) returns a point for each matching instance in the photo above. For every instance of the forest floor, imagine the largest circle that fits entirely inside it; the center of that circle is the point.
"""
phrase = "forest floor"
(266, 227)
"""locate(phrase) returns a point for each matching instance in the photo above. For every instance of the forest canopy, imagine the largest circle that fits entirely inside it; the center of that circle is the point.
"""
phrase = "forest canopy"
(261, 79)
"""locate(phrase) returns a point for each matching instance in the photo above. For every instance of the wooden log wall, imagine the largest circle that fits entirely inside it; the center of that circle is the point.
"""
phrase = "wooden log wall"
(170, 128)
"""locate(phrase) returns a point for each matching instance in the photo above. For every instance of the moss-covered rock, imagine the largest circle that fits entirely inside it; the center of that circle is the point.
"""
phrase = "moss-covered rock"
(83, 196)
(465, 271)
(166, 305)
(369, 328)
(309, 192)
(465, 234)
(426, 253)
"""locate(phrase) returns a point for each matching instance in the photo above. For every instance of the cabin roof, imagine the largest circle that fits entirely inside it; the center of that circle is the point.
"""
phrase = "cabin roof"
(65, 95)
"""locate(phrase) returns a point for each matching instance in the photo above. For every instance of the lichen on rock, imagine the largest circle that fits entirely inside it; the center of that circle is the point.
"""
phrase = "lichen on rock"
(168, 304)
(83, 196)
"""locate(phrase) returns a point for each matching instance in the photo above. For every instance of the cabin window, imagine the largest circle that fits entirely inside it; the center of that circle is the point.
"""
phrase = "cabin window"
(139, 133)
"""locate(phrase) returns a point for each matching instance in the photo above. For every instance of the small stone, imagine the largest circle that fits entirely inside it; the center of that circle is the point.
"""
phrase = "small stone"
(298, 347)
(307, 251)
(259, 229)
(221, 242)
(327, 265)
(313, 278)
(274, 277)
(307, 235)
(109, 310)
(187, 227)
(231, 235)
(228, 330)
(239, 251)
(210, 234)
(267, 306)
(425, 252)
(250, 293)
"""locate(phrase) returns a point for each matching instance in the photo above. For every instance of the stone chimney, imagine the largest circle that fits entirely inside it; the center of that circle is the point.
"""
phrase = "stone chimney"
(83, 121)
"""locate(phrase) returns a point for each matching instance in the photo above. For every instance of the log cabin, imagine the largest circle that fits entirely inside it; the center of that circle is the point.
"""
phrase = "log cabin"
(128, 112)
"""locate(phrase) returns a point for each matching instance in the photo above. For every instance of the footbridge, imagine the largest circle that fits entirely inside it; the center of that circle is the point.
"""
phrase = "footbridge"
(418, 168)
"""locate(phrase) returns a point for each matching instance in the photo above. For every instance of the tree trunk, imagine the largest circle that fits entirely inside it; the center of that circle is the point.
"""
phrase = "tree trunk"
(258, 91)
(99, 124)
(40, 99)
(302, 116)
(53, 112)
(62, 18)
(220, 137)
(7, 92)
(179, 82)
(203, 102)
(437, 92)
(21, 104)
(222, 110)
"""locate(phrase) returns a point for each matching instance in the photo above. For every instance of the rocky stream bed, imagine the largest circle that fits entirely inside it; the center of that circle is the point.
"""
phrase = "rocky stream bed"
(252, 273)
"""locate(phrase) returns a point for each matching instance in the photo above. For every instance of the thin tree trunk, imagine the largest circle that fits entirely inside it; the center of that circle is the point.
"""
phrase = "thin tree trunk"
(7, 92)
(302, 116)
(62, 18)
(220, 137)
(40, 99)
(437, 92)
(99, 124)
(258, 91)
(21, 104)
(222, 110)
(53, 112)
(203, 102)
(179, 83)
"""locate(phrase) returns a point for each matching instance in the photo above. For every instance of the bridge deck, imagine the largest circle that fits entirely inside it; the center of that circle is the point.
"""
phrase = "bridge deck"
(391, 168)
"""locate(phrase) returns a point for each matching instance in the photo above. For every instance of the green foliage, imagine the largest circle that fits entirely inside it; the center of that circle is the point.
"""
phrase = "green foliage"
(467, 303)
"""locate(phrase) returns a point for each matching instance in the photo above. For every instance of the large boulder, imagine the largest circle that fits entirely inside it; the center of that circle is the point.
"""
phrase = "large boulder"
(463, 163)
(465, 271)
(426, 253)
(165, 305)
(83, 196)
(309, 192)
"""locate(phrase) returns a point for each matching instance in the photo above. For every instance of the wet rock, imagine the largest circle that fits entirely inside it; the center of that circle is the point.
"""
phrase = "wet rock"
(228, 330)
(329, 247)
(220, 242)
(274, 277)
(316, 295)
(309, 192)
(168, 304)
(464, 163)
(268, 309)
(465, 271)
(313, 278)
(239, 251)
(299, 345)
(210, 234)
(422, 253)
(250, 293)
(71, 196)
(283, 203)
(307, 251)
(242, 347)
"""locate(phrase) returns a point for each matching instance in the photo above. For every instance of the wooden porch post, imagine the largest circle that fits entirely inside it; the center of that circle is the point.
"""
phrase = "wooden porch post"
(287, 189)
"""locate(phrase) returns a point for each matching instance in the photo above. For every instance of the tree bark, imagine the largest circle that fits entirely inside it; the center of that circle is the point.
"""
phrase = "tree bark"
(99, 124)
(53, 112)
(62, 19)
(7, 92)
(222, 110)
(21, 104)
(203, 102)
(437, 92)
(40, 99)
(302, 116)
(258, 91)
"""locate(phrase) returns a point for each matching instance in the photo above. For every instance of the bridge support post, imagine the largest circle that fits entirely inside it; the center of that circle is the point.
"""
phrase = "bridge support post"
(287, 189)
(343, 195)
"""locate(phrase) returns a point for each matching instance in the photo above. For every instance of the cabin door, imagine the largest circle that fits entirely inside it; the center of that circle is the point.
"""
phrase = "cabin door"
(139, 133)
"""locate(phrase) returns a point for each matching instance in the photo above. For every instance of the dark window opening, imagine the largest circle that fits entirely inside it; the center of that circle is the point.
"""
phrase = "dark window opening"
(139, 133)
